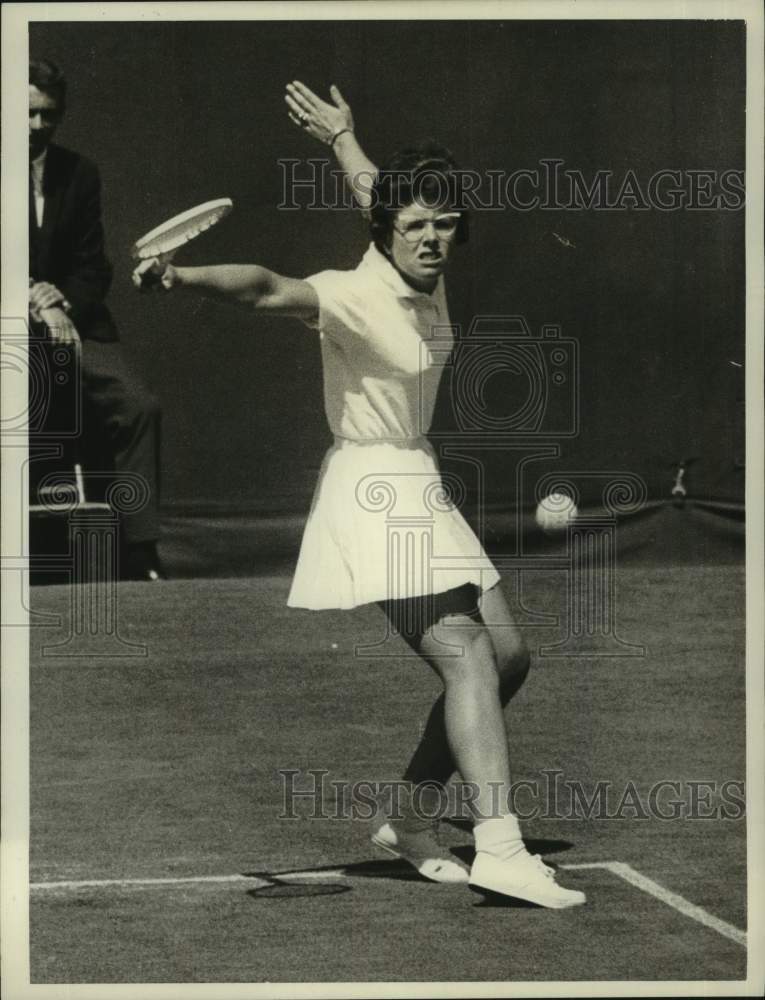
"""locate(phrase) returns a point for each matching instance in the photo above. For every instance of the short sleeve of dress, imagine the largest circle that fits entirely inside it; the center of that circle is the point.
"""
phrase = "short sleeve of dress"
(342, 310)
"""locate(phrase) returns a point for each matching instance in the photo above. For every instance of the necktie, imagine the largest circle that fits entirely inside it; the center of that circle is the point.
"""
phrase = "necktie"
(32, 227)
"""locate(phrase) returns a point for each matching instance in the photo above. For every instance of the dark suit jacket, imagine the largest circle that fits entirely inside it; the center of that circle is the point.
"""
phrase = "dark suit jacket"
(68, 250)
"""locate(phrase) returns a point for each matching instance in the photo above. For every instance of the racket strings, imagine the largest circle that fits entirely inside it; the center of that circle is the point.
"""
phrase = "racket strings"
(175, 232)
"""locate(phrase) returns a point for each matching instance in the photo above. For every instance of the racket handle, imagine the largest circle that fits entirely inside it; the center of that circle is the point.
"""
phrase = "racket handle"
(145, 275)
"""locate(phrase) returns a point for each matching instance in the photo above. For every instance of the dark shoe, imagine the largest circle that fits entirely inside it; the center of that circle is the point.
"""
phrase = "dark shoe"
(142, 562)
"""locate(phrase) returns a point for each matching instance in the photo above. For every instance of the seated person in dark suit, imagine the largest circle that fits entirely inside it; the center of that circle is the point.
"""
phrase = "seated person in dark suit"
(69, 277)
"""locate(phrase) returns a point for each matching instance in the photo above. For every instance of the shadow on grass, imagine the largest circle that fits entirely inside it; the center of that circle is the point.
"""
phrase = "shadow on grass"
(296, 890)
(287, 884)
(495, 900)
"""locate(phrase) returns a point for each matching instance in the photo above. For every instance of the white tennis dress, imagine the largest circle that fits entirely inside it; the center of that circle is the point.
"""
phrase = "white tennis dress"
(381, 525)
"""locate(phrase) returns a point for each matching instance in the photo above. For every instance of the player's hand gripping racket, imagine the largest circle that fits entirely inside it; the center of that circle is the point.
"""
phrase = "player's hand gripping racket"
(157, 248)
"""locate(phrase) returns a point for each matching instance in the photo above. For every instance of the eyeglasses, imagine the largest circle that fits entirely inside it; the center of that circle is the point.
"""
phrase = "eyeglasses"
(444, 226)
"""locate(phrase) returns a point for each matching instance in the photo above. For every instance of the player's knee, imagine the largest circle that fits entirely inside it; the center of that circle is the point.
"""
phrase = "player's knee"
(513, 662)
(464, 653)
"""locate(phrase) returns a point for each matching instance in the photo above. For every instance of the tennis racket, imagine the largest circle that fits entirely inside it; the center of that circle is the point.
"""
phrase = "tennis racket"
(164, 240)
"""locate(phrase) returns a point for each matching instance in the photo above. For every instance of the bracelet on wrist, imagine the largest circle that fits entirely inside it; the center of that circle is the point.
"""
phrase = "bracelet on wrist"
(337, 135)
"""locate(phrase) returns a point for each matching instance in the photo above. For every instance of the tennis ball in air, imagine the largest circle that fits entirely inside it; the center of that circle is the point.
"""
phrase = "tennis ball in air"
(555, 512)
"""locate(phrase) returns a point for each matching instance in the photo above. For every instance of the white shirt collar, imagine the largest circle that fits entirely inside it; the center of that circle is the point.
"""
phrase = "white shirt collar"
(379, 264)
(38, 164)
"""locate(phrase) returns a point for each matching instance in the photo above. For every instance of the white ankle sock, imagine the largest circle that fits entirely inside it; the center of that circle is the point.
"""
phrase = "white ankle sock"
(500, 837)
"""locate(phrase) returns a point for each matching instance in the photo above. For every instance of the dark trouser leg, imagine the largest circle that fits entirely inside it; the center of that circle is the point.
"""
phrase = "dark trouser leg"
(129, 421)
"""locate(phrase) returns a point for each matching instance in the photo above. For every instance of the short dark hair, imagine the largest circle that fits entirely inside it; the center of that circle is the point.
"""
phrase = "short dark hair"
(48, 78)
(427, 173)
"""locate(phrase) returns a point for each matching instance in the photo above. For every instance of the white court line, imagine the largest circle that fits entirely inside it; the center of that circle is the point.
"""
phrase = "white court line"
(107, 883)
(623, 871)
(677, 902)
(148, 883)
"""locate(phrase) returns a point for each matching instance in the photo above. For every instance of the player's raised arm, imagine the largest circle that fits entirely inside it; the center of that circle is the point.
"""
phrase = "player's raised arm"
(249, 285)
(333, 125)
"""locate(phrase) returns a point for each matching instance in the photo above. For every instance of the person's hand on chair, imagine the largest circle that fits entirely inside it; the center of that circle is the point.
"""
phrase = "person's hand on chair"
(60, 327)
(46, 298)
(43, 295)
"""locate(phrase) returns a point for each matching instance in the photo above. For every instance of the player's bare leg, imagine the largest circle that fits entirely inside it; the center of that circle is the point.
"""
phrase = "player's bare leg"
(433, 760)
(413, 835)
(473, 720)
(408, 831)
(466, 730)
(476, 733)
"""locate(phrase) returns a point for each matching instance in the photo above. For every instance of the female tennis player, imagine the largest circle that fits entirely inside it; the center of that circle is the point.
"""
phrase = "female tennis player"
(380, 383)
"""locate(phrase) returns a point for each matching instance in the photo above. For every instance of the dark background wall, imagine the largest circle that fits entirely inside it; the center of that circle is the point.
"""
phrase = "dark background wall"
(178, 113)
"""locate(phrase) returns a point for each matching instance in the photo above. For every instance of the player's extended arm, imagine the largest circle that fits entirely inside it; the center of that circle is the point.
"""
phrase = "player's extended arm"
(249, 285)
(332, 124)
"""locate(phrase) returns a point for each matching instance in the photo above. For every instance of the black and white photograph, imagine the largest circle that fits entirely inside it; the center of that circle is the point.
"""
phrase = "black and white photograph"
(382, 443)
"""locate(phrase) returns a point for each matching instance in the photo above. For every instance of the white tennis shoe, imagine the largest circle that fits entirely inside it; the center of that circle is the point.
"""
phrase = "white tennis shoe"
(421, 849)
(524, 876)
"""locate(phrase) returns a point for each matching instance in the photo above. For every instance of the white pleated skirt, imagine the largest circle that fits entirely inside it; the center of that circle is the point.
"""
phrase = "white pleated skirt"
(383, 525)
